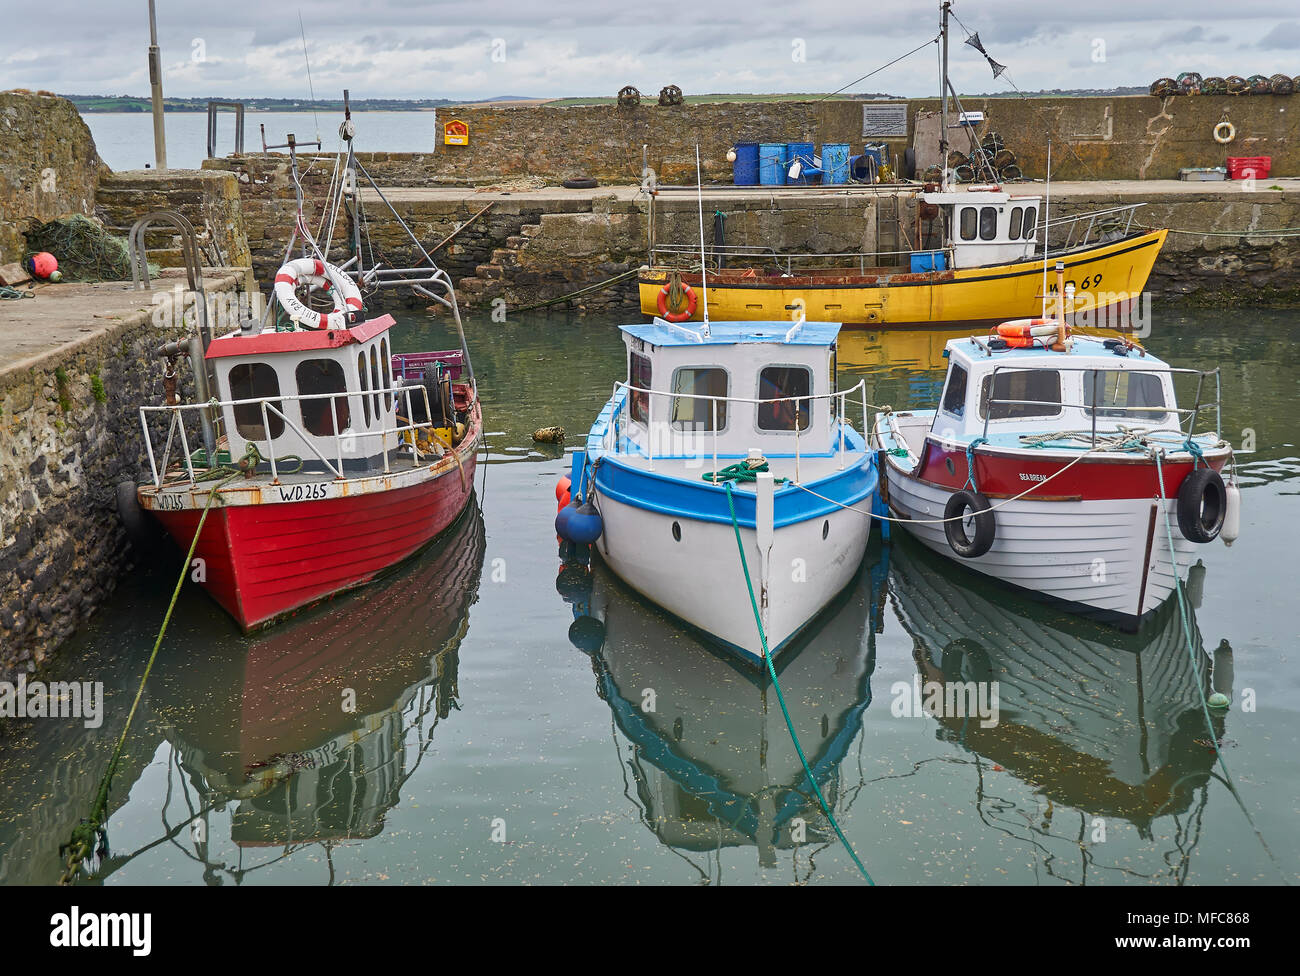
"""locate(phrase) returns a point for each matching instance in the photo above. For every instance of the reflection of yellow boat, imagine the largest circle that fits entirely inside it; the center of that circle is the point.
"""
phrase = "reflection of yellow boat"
(992, 275)
(920, 349)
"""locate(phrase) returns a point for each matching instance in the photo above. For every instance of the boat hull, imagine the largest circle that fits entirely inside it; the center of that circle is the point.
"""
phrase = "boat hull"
(699, 579)
(1103, 276)
(1104, 556)
(264, 559)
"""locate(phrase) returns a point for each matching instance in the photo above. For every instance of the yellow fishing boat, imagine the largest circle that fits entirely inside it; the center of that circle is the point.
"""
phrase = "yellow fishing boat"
(987, 266)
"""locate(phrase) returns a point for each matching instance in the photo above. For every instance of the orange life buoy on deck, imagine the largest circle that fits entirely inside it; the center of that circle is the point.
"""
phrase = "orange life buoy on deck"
(676, 316)
(1024, 328)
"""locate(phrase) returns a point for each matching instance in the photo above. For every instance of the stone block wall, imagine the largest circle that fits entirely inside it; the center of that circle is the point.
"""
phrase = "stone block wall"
(69, 432)
(48, 165)
(210, 200)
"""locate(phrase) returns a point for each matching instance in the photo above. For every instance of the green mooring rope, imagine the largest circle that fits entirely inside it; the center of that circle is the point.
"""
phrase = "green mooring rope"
(740, 471)
(91, 833)
(767, 657)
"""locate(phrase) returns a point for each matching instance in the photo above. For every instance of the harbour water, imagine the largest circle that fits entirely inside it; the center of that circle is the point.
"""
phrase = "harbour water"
(125, 139)
(485, 715)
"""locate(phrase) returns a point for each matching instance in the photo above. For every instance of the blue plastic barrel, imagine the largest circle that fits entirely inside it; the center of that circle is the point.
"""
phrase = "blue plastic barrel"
(863, 169)
(744, 171)
(929, 261)
(835, 162)
(771, 163)
(803, 152)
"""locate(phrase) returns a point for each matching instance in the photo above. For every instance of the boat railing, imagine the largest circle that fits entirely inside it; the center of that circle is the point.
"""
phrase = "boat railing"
(686, 257)
(1096, 408)
(839, 400)
(271, 406)
(1063, 234)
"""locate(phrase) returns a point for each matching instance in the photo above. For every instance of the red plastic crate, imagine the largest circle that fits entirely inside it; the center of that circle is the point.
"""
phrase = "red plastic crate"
(1245, 167)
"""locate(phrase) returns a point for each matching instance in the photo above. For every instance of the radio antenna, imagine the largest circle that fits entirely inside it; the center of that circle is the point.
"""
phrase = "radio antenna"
(704, 269)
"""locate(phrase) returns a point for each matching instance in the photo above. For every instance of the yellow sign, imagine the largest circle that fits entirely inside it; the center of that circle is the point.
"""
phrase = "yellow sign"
(456, 133)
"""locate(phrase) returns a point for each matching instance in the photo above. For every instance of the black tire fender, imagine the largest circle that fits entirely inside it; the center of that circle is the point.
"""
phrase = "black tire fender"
(1202, 504)
(580, 183)
(959, 502)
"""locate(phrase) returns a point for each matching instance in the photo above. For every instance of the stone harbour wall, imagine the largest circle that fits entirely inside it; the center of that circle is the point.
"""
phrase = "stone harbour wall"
(69, 432)
(48, 165)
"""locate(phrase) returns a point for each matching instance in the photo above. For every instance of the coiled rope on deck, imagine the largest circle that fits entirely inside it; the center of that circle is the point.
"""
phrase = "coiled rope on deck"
(780, 697)
(90, 834)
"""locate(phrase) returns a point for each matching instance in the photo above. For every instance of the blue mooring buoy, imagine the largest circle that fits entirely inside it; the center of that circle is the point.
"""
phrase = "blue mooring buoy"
(579, 523)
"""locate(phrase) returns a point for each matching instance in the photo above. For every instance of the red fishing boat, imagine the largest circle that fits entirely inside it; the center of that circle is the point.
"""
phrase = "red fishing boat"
(326, 458)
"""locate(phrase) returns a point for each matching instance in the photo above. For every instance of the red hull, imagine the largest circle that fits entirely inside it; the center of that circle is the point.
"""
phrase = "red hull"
(1002, 475)
(264, 561)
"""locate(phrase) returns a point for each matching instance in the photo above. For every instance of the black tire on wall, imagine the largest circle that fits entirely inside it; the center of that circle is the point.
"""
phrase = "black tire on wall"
(959, 503)
(1202, 504)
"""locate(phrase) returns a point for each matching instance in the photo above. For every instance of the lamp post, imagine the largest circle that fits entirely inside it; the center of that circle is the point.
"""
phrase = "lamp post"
(155, 86)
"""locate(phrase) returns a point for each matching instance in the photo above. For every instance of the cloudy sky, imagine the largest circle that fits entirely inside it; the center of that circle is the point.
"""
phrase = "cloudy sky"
(549, 48)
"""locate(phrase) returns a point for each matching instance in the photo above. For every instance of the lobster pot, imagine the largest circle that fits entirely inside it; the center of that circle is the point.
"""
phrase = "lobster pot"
(744, 171)
(835, 162)
(771, 163)
(801, 152)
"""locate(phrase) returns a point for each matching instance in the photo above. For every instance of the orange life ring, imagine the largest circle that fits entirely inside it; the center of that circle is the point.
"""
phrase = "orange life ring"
(1024, 328)
(676, 316)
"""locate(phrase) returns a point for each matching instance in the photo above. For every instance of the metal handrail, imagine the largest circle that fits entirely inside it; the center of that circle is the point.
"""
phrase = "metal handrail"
(1096, 409)
(613, 439)
(268, 405)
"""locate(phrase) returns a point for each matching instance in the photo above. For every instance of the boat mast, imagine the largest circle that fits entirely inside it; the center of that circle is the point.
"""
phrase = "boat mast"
(943, 95)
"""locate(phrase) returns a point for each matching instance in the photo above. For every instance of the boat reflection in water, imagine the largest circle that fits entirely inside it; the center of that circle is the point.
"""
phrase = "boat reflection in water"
(1107, 723)
(706, 742)
(314, 729)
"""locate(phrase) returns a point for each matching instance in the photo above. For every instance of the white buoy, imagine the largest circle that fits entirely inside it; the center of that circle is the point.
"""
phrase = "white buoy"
(1232, 515)
(1218, 700)
(731, 155)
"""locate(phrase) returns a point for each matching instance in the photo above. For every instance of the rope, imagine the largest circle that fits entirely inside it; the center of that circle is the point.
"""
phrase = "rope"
(767, 657)
(90, 833)
(746, 471)
(1184, 617)
(13, 294)
(580, 292)
(970, 461)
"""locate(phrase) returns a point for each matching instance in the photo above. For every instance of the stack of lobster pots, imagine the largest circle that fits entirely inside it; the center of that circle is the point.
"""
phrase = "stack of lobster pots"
(1191, 83)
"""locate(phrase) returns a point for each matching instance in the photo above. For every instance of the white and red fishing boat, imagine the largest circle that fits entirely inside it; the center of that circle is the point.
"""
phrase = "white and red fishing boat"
(1063, 465)
(326, 458)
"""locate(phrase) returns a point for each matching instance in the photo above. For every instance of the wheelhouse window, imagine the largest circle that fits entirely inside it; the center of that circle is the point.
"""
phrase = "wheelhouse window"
(988, 223)
(1124, 393)
(376, 382)
(386, 372)
(255, 381)
(691, 382)
(1031, 222)
(1036, 392)
(315, 376)
(639, 375)
(775, 383)
(969, 219)
(1017, 215)
(954, 394)
(365, 386)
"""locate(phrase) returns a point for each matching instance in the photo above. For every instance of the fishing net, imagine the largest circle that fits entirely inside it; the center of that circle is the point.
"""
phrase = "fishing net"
(84, 249)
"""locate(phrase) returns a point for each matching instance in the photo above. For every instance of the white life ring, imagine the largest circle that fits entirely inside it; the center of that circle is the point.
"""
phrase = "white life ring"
(317, 274)
(1222, 137)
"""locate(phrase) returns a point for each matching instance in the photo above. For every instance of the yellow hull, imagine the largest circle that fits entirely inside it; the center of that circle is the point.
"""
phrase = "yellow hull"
(1103, 275)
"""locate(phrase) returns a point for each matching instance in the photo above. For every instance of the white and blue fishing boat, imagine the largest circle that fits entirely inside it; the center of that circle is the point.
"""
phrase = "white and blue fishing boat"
(719, 431)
